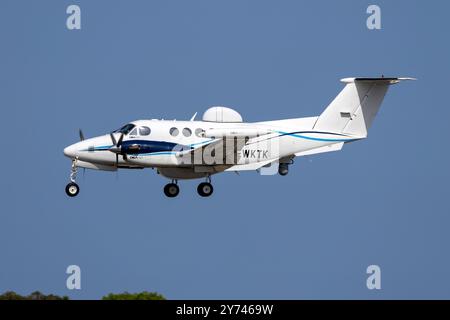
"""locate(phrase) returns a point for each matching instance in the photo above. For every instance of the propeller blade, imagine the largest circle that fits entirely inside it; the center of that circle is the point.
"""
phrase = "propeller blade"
(81, 134)
(113, 139)
(116, 148)
(119, 143)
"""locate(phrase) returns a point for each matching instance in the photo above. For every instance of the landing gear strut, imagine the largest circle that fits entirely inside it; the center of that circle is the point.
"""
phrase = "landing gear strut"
(205, 189)
(72, 189)
(171, 190)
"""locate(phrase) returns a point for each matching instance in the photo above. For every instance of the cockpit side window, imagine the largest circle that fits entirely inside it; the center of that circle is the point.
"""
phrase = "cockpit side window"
(144, 131)
(126, 128)
(133, 132)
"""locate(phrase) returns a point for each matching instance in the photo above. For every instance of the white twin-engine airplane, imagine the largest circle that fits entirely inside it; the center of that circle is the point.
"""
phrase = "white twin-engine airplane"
(223, 142)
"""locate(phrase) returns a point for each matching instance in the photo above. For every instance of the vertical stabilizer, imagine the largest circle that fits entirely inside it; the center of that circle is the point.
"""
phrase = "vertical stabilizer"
(354, 109)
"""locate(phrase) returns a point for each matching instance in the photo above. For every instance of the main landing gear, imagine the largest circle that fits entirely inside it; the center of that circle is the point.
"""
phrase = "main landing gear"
(171, 189)
(72, 189)
(204, 189)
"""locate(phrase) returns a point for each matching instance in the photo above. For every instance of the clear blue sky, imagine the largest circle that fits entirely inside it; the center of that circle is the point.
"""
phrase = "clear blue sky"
(310, 234)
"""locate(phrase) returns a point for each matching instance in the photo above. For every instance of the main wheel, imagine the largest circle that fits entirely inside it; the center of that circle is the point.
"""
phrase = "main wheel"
(72, 189)
(205, 189)
(171, 190)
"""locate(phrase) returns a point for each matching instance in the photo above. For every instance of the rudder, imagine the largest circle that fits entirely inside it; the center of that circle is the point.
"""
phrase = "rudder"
(354, 109)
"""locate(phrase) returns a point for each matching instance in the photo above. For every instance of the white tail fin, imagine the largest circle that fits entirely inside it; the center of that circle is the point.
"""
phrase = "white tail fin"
(355, 107)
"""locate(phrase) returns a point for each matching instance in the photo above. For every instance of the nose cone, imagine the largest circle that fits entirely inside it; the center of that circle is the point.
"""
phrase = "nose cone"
(71, 151)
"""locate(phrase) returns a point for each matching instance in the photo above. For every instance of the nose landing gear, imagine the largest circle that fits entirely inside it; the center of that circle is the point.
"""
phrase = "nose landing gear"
(72, 189)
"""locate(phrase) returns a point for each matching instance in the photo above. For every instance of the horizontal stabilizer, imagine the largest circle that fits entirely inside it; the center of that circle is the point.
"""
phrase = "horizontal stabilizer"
(382, 79)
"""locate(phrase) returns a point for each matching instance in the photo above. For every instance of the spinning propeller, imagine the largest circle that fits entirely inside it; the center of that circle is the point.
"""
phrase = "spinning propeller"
(117, 147)
(81, 134)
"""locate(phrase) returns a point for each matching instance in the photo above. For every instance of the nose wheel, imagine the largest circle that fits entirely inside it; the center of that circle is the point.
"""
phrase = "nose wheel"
(72, 189)
(171, 190)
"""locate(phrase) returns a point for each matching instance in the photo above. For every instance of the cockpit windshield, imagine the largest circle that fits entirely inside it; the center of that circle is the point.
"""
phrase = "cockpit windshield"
(126, 128)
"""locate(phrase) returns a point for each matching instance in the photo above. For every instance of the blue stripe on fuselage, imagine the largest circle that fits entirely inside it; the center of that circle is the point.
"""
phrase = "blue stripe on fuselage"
(148, 147)
(297, 135)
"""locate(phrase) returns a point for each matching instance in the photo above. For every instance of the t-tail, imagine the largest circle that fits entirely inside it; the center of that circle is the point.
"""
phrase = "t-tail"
(354, 109)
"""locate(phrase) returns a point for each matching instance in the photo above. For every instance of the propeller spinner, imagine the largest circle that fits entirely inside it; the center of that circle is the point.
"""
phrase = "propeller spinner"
(117, 147)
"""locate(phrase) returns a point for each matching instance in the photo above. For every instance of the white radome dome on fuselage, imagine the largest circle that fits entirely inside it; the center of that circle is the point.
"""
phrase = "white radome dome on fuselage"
(222, 114)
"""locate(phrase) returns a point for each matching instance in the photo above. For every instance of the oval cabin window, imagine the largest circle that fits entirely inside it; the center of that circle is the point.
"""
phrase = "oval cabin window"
(199, 132)
(187, 132)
